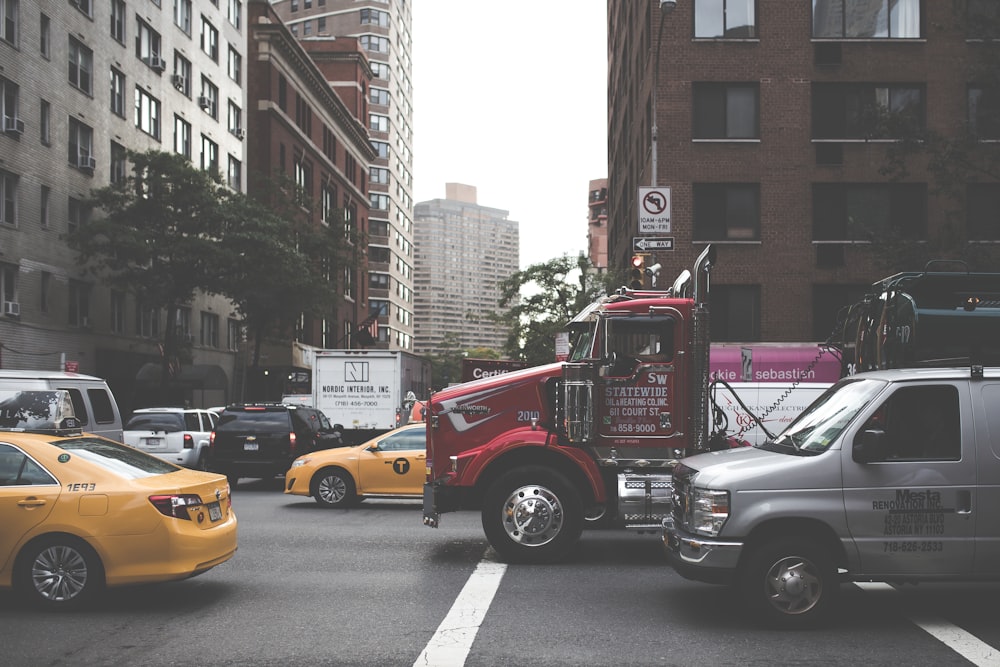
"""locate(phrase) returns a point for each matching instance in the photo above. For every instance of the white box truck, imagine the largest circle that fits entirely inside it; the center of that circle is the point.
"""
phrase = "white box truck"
(368, 392)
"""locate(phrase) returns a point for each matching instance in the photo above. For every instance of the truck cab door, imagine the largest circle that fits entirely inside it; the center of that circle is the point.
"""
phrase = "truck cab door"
(910, 483)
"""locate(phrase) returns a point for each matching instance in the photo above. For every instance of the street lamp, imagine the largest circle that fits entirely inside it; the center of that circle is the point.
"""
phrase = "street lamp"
(666, 6)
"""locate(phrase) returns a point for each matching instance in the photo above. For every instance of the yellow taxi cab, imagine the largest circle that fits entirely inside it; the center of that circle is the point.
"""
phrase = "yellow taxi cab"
(389, 466)
(80, 512)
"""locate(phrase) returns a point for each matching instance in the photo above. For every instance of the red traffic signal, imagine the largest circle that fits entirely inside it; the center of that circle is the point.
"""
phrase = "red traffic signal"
(637, 274)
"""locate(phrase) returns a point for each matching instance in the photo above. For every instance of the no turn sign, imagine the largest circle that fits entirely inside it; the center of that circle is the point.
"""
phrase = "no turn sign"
(654, 210)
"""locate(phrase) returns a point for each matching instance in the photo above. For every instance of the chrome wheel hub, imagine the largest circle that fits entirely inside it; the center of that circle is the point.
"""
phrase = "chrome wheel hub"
(532, 515)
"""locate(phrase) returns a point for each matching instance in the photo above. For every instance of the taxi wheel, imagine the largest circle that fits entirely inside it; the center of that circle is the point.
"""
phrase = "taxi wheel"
(332, 487)
(789, 583)
(532, 515)
(58, 572)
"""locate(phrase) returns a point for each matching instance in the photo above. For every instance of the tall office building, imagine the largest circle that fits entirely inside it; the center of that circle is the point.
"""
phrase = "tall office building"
(383, 30)
(463, 252)
(597, 224)
(771, 143)
(81, 82)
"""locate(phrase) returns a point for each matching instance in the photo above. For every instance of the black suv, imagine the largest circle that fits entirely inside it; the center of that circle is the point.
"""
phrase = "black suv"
(262, 440)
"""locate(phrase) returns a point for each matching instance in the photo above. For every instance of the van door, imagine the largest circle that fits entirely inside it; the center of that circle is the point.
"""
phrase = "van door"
(912, 511)
(986, 402)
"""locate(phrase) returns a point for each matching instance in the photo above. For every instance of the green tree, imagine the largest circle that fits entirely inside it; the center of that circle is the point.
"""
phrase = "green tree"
(538, 302)
(278, 265)
(158, 238)
(446, 366)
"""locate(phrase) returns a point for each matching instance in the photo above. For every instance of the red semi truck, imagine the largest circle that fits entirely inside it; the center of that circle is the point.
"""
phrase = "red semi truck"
(545, 451)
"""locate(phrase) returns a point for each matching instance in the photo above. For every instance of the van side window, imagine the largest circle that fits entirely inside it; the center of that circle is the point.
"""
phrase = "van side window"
(79, 406)
(921, 424)
(100, 401)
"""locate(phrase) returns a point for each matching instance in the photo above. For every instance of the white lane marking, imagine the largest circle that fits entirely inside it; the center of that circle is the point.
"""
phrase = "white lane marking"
(450, 645)
(964, 643)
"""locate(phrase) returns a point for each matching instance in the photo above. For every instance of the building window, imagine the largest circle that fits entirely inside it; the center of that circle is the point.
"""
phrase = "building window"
(848, 212)
(117, 93)
(726, 111)
(234, 12)
(81, 145)
(77, 214)
(378, 122)
(303, 114)
(43, 206)
(209, 39)
(983, 19)
(209, 99)
(209, 330)
(235, 65)
(182, 15)
(726, 212)
(43, 297)
(866, 19)
(44, 34)
(303, 176)
(379, 175)
(866, 111)
(234, 335)
(375, 43)
(147, 113)
(983, 211)
(328, 203)
(735, 312)
(379, 96)
(381, 149)
(234, 175)
(9, 104)
(182, 324)
(147, 321)
(45, 123)
(984, 112)
(119, 163)
(118, 17)
(182, 137)
(79, 304)
(85, 7)
(147, 44)
(8, 195)
(209, 155)
(81, 66)
(117, 312)
(725, 19)
(181, 79)
(380, 202)
(378, 281)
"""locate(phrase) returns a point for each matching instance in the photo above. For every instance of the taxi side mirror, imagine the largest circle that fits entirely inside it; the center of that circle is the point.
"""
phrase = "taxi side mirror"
(869, 446)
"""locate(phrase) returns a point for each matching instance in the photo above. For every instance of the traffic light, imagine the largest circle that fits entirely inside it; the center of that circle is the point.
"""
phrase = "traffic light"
(637, 274)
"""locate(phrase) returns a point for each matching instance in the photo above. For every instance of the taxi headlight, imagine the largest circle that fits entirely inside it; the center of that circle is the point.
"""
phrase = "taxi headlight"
(297, 463)
(709, 511)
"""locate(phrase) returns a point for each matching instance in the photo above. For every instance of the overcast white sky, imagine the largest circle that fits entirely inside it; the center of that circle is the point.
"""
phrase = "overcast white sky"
(511, 97)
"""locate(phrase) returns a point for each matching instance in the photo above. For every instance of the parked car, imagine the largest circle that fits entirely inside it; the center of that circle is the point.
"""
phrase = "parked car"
(178, 435)
(392, 465)
(262, 440)
(81, 512)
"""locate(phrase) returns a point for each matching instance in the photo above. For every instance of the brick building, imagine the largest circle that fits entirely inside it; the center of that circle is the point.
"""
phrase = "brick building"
(771, 138)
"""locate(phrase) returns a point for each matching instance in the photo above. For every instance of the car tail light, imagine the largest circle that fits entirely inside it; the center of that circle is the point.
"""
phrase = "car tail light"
(211, 439)
(291, 442)
(175, 505)
(188, 441)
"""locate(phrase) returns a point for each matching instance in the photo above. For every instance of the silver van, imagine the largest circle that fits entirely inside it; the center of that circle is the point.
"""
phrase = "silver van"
(93, 402)
(890, 476)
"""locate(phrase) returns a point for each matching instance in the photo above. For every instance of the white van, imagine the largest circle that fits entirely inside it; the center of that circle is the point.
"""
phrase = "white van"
(93, 402)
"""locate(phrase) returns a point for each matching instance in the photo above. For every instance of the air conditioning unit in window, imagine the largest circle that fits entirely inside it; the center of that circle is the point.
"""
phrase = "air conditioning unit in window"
(178, 81)
(87, 162)
(157, 63)
(13, 125)
(205, 102)
(12, 308)
(240, 133)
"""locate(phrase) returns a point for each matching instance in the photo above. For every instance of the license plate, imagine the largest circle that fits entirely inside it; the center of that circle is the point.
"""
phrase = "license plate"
(152, 442)
(214, 512)
(250, 446)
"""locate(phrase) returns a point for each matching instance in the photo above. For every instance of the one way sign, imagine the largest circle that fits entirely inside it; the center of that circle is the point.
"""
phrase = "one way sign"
(646, 243)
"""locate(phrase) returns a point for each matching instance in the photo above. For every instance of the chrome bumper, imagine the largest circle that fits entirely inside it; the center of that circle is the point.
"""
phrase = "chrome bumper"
(700, 558)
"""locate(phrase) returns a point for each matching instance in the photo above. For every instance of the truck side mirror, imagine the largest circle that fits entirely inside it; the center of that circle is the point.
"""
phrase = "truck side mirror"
(869, 446)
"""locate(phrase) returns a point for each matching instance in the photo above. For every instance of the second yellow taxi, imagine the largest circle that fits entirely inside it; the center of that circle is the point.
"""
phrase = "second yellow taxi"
(389, 466)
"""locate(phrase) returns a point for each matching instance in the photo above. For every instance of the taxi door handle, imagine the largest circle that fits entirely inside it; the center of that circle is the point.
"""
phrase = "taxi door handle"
(31, 502)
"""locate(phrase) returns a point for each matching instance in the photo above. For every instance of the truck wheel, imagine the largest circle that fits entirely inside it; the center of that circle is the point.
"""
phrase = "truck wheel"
(58, 572)
(332, 487)
(532, 515)
(789, 583)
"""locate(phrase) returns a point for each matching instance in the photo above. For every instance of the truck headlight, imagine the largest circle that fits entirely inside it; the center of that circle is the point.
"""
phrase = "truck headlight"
(709, 511)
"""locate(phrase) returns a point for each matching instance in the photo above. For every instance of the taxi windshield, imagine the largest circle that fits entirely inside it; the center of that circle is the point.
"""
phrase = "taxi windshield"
(115, 457)
(822, 422)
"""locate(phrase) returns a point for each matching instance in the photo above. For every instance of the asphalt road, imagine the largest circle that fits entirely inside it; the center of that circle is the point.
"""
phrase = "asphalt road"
(372, 585)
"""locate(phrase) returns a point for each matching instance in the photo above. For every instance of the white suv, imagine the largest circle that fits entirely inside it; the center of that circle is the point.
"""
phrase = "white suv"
(178, 435)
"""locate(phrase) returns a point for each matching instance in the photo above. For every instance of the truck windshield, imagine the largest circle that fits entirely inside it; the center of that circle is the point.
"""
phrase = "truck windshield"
(822, 422)
(582, 338)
